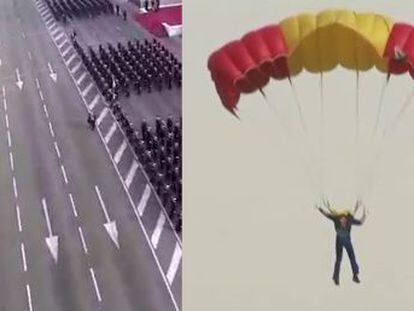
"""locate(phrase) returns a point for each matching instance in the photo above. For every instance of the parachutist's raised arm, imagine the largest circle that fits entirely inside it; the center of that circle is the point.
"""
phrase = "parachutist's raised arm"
(362, 220)
(357, 205)
(324, 213)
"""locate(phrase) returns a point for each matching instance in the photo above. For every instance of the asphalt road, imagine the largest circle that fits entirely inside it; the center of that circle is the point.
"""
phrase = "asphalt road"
(57, 179)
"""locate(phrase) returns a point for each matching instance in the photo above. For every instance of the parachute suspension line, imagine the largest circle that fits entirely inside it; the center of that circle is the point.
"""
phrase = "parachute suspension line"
(298, 105)
(296, 142)
(381, 103)
(394, 124)
(357, 107)
(321, 136)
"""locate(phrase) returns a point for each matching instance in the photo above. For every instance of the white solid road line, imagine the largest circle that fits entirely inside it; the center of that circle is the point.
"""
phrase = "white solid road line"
(23, 257)
(87, 89)
(102, 116)
(110, 133)
(75, 212)
(29, 297)
(57, 149)
(11, 161)
(85, 248)
(144, 199)
(83, 76)
(155, 238)
(131, 173)
(19, 221)
(175, 262)
(76, 67)
(95, 284)
(64, 173)
(120, 152)
(71, 58)
(93, 102)
(15, 187)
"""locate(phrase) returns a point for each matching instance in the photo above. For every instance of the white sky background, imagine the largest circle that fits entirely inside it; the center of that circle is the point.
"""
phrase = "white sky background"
(252, 238)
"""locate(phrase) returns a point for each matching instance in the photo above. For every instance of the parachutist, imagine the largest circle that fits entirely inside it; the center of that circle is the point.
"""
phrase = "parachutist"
(343, 222)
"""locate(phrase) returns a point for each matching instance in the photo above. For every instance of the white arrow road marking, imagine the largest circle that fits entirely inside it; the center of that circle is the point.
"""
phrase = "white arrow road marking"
(131, 173)
(110, 226)
(120, 152)
(175, 261)
(19, 221)
(85, 248)
(23, 257)
(102, 116)
(52, 74)
(155, 238)
(111, 132)
(52, 241)
(144, 199)
(95, 284)
(19, 82)
(29, 297)
(94, 102)
(87, 89)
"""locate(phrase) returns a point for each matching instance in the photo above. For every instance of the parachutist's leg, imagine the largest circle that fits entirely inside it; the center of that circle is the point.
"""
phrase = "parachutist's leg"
(351, 254)
(339, 247)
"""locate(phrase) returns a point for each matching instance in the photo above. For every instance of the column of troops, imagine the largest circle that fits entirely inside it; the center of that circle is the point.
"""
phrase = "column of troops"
(138, 66)
(64, 10)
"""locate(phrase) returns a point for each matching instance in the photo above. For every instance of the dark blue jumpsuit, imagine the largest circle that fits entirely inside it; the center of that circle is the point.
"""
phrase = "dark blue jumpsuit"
(343, 240)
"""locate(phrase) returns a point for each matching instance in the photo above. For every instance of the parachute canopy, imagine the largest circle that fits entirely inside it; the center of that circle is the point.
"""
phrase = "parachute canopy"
(317, 43)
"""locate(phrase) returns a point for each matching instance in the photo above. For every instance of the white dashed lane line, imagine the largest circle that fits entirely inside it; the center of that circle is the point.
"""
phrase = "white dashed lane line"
(24, 263)
(85, 248)
(72, 203)
(29, 297)
(95, 283)
(19, 221)
(64, 174)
